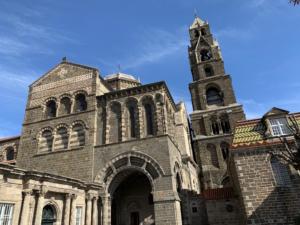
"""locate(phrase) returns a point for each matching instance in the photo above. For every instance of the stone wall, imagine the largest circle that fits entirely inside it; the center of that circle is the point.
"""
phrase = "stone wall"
(265, 202)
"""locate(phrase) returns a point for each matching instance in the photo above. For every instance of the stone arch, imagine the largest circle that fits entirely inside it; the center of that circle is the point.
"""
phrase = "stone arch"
(45, 139)
(61, 136)
(205, 54)
(115, 122)
(50, 107)
(65, 104)
(10, 152)
(149, 114)
(131, 119)
(80, 103)
(214, 94)
(56, 210)
(130, 160)
(78, 134)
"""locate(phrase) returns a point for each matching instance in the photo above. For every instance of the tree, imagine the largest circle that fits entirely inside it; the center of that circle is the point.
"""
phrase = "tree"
(291, 143)
(295, 2)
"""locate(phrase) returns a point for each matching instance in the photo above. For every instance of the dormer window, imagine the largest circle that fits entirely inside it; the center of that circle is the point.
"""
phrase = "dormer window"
(279, 126)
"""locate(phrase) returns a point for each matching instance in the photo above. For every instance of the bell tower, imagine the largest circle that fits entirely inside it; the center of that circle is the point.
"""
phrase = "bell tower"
(215, 110)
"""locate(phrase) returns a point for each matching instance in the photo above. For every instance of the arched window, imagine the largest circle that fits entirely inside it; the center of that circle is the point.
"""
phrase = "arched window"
(149, 119)
(215, 126)
(213, 155)
(214, 96)
(203, 32)
(62, 138)
(196, 32)
(10, 153)
(208, 71)
(48, 215)
(225, 124)
(225, 150)
(80, 103)
(115, 134)
(205, 55)
(46, 141)
(132, 119)
(51, 109)
(77, 136)
(280, 172)
(65, 104)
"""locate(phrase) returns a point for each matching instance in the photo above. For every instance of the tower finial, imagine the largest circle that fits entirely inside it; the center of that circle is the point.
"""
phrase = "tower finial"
(64, 59)
(119, 68)
(195, 13)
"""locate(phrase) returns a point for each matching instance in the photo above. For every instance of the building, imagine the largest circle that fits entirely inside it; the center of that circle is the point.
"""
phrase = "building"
(113, 151)
(268, 187)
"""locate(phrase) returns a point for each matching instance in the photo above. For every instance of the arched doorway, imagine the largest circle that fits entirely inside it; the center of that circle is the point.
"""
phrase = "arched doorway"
(49, 215)
(132, 201)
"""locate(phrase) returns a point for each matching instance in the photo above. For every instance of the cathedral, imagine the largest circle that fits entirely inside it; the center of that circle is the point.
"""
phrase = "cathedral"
(110, 150)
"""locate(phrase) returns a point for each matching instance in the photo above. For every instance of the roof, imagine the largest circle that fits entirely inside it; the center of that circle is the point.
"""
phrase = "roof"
(120, 76)
(197, 23)
(250, 133)
(217, 194)
(9, 138)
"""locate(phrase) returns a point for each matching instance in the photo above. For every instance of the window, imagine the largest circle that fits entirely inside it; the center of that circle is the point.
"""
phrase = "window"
(132, 119)
(225, 150)
(78, 215)
(205, 55)
(196, 32)
(281, 173)
(214, 96)
(225, 124)
(46, 141)
(77, 136)
(10, 153)
(149, 119)
(208, 71)
(203, 32)
(215, 127)
(279, 126)
(81, 104)
(213, 155)
(6, 213)
(51, 109)
(61, 140)
(65, 104)
(49, 215)
(115, 118)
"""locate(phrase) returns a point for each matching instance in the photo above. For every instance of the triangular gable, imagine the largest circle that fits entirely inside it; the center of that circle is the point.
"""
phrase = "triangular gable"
(197, 23)
(61, 71)
(276, 111)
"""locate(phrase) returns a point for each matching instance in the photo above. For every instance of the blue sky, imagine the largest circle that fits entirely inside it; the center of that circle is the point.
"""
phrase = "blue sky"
(260, 42)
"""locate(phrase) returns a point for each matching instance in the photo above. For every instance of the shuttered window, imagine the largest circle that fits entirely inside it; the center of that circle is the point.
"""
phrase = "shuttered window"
(6, 213)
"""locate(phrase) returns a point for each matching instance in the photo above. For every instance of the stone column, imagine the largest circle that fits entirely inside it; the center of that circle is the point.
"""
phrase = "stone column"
(88, 215)
(39, 208)
(141, 124)
(73, 210)
(106, 210)
(67, 209)
(95, 211)
(25, 207)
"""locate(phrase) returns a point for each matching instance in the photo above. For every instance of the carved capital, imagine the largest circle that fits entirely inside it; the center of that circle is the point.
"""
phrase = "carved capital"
(27, 192)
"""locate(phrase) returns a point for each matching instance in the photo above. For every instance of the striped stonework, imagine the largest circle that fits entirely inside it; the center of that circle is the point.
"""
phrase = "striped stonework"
(77, 137)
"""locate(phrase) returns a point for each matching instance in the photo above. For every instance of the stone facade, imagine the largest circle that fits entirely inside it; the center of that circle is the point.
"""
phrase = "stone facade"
(108, 138)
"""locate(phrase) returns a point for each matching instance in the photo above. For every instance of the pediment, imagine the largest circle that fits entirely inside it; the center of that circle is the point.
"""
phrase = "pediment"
(64, 70)
(276, 111)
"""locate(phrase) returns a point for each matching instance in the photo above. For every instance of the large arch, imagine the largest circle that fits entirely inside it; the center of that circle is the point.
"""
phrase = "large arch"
(131, 198)
(129, 160)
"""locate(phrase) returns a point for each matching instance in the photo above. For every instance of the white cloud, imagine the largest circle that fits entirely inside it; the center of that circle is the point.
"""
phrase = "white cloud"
(153, 46)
